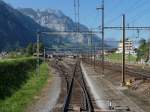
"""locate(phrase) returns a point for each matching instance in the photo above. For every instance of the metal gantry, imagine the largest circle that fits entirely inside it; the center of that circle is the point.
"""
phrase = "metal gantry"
(123, 29)
(40, 33)
(102, 29)
(103, 34)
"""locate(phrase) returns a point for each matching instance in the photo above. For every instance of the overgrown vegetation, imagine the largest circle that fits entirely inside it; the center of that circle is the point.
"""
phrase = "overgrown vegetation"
(143, 50)
(23, 52)
(31, 48)
(24, 96)
(13, 73)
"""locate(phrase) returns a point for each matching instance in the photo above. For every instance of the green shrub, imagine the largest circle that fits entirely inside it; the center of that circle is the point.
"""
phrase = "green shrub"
(13, 73)
(24, 96)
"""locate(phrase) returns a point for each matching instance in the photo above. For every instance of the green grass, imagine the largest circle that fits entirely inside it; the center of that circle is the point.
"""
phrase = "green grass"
(19, 100)
(116, 57)
(15, 59)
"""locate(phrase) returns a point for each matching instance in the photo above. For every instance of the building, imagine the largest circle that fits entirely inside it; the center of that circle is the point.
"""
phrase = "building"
(3, 54)
(129, 47)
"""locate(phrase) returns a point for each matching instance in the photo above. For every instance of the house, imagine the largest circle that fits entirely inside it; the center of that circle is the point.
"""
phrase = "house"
(129, 47)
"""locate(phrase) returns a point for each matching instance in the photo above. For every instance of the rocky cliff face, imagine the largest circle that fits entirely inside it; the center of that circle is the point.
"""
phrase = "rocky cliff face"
(55, 19)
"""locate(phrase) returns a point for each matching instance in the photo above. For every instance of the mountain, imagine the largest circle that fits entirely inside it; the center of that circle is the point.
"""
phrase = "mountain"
(18, 28)
(112, 42)
(55, 19)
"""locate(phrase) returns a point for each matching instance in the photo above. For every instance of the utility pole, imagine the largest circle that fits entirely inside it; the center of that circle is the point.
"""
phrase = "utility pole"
(123, 56)
(103, 59)
(38, 53)
(129, 57)
(102, 32)
(123, 28)
(149, 51)
(78, 8)
(94, 55)
(44, 55)
(91, 45)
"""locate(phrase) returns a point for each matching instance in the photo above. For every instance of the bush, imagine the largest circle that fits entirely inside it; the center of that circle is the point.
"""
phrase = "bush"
(13, 73)
(24, 96)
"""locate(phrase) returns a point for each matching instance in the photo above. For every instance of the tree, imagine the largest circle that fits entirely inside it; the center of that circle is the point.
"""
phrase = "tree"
(143, 50)
(34, 47)
(41, 47)
(29, 49)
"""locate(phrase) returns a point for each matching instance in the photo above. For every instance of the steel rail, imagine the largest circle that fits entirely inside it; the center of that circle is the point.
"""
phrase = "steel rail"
(68, 97)
(130, 71)
(88, 107)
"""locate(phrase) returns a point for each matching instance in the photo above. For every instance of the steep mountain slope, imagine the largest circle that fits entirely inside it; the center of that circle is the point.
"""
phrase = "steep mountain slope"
(55, 19)
(16, 29)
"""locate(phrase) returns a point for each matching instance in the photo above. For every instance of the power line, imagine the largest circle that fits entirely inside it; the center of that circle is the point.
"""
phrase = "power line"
(137, 16)
(114, 19)
(116, 6)
(78, 7)
(75, 15)
(130, 9)
(133, 6)
(117, 17)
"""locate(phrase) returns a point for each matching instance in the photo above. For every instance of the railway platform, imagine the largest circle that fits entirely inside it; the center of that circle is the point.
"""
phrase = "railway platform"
(108, 95)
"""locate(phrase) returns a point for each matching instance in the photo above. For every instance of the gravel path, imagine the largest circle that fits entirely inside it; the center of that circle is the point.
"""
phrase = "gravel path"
(49, 95)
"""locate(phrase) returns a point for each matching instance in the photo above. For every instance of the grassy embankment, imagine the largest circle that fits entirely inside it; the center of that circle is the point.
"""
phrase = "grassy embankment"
(19, 83)
(117, 58)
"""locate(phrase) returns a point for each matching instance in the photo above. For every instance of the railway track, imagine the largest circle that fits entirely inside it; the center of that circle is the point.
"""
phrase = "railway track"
(78, 89)
(130, 70)
(76, 96)
(133, 71)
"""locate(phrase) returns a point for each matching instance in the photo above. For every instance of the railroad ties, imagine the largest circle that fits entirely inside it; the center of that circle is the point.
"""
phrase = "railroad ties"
(129, 69)
(78, 97)
(75, 92)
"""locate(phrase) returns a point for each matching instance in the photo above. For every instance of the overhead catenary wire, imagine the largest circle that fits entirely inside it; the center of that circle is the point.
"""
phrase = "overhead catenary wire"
(139, 7)
(113, 19)
(75, 15)
(139, 15)
(117, 17)
(116, 6)
(78, 7)
(132, 7)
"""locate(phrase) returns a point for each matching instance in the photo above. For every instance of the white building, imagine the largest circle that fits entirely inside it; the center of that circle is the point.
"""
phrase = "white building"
(129, 47)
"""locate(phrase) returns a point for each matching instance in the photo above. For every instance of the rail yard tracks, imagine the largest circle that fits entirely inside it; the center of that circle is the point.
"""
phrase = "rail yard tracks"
(129, 69)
